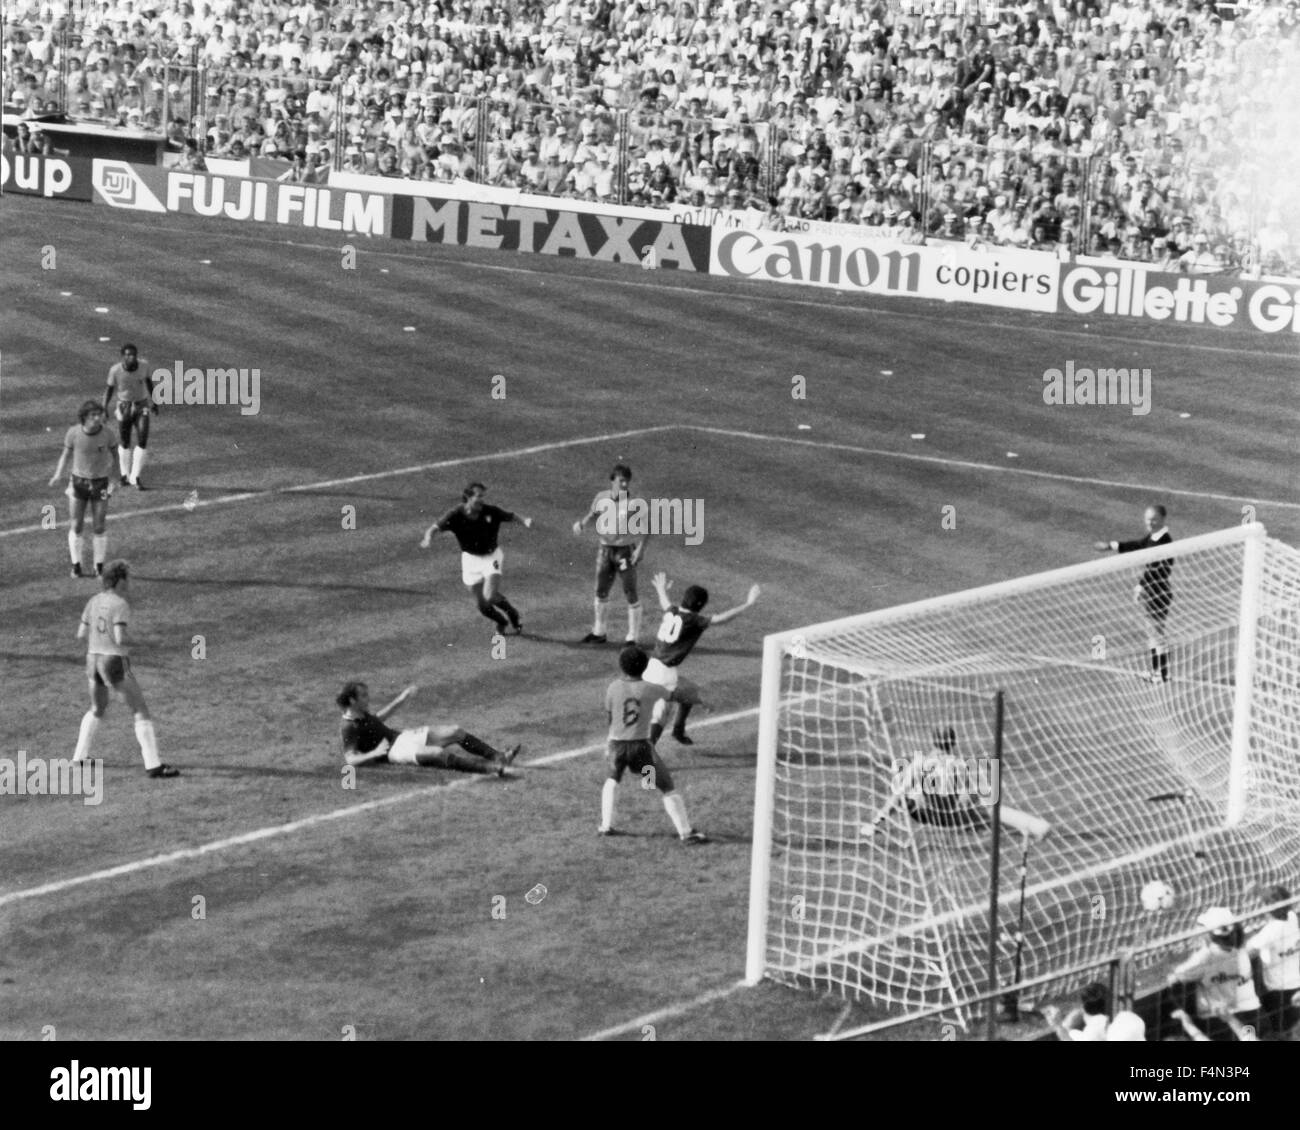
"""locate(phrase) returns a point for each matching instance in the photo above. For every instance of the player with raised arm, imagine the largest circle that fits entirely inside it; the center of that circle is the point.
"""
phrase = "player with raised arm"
(1221, 972)
(477, 526)
(130, 382)
(629, 700)
(619, 553)
(679, 632)
(1154, 592)
(90, 444)
(108, 666)
(1277, 945)
(364, 733)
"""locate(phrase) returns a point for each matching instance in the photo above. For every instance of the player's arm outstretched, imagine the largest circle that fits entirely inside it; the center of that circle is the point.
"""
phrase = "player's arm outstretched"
(438, 527)
(383, 713)
(732, 613)
(661, 585)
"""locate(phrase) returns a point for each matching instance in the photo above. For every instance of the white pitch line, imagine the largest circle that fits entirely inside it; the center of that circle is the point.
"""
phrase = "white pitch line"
(269, 492)
(1001, 469)
(666, 1013)
(275, 830)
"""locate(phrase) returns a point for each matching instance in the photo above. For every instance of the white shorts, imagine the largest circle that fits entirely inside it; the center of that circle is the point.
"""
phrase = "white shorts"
(657, 673)
(407, 744)
(474, 569)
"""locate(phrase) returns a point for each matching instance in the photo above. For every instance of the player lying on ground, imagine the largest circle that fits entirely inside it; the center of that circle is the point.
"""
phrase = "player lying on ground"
(364, 733)
(91, 444)
(618, 554)
(1153, 592)
(476, 526)
(946, 790)
(628, 702)
(108, 666)
(131, 381)
(679, 632)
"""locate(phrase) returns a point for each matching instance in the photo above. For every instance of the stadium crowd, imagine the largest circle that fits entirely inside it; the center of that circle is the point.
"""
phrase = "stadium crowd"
(1166, 121)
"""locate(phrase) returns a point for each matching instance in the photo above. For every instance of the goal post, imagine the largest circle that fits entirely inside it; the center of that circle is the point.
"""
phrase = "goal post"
(876, 781)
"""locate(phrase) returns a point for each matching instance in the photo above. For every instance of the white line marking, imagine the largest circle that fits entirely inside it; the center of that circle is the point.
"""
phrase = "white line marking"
(269, 492)
(928, 310)
(1000, 469)
(666, 1013)
(275, 830)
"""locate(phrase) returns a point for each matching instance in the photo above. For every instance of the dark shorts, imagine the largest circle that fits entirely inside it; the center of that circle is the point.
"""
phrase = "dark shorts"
(1276, 1012)
(1156, 602)
(107, 670)
(638, 756)
(612, 560)
(89, 490)
(132, 414)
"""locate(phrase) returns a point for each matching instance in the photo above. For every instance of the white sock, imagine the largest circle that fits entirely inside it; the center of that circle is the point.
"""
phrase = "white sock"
(148, 742)
(89, 724)
(633, 622)
(675, 806)
(100, 543)
(124, 461)
(138, 457)
(608, 794)
(602, 612)
(76, 546)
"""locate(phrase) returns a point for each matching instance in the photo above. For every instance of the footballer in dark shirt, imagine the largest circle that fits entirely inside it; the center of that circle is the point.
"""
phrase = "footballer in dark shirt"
(476, 526)
(679, 632)
(1154, 590)
(368, 741)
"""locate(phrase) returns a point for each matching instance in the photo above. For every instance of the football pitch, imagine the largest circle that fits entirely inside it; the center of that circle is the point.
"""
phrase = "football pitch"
(276, 555)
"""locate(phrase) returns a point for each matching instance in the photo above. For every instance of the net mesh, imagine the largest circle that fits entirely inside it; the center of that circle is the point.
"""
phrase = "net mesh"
(879, 869)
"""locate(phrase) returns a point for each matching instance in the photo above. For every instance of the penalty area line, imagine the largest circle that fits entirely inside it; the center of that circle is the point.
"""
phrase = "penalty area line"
(328, 484)
(996, 468)
(277, 830)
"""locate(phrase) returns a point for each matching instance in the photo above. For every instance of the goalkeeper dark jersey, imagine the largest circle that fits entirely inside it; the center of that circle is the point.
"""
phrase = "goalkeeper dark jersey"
(678, 633)
(1156, 586)
(364, 734)
(477, 534)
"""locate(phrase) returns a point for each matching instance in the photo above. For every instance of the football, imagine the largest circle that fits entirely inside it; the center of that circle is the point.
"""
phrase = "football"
(1157, 895)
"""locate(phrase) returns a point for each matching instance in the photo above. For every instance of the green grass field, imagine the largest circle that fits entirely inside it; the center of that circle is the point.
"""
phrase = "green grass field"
(287, 541)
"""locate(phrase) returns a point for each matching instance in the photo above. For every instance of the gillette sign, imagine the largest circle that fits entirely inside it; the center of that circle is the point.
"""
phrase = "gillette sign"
(1228, 303)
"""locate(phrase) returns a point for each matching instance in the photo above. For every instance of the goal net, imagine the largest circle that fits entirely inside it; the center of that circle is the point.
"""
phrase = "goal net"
(871, 872)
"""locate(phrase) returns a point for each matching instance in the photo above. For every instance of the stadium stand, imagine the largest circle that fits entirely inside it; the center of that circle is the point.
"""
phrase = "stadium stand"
(1147, 130)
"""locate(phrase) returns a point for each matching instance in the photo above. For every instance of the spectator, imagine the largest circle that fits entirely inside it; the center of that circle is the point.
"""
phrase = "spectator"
(1277, 946)
(1221, 972)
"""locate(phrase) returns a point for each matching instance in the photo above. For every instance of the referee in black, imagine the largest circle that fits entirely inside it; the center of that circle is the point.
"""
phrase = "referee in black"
(1154, 591)
(477, 525)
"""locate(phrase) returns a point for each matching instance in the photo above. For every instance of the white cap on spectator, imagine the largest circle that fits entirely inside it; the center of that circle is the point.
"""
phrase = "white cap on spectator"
(1218, 920)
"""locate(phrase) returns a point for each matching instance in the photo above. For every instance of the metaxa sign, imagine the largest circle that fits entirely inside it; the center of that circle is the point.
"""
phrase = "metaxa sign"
(1199, 301)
